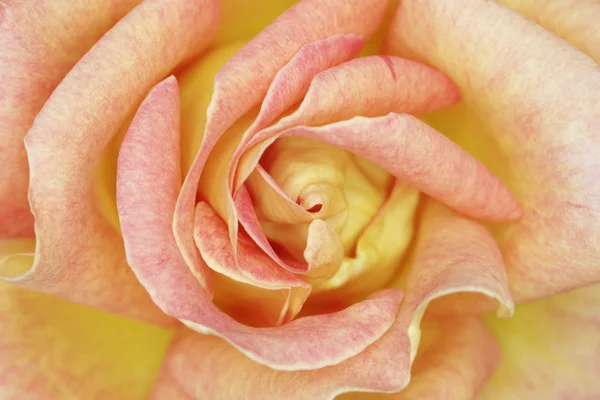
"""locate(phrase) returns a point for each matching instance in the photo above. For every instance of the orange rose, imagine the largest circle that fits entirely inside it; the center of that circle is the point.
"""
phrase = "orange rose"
(327, 204)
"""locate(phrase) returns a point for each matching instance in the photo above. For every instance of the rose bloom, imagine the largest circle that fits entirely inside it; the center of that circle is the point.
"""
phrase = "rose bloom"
(205, 199)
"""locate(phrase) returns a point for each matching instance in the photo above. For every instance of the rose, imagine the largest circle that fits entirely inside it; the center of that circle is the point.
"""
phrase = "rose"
(78, 254)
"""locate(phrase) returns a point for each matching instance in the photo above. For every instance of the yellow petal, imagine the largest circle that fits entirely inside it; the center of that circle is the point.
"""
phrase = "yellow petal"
(53, 349)
(550, 349)
(242, 19)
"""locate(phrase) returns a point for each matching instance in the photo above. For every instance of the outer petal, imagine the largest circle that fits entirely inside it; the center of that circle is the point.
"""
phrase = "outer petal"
(79, 255)
(574, 20)
(158, 264)
(443, 263)
(549, 349)
(245, 79)
(37, 51)
(52, 349)
(507, 69)
(456, 358)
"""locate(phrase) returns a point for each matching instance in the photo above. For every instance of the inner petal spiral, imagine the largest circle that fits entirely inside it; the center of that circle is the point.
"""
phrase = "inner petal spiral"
(325, 181)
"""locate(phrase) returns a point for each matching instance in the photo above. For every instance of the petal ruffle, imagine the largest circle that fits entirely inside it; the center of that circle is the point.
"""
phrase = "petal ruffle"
(549, 349)
(52, 349)
(443, 264)
(455, 360)
(401, 86)
(158, 264)
(506, 67)
(406, 148)
(250, 265)
(33, 39)
(79, 255)
(244, 80)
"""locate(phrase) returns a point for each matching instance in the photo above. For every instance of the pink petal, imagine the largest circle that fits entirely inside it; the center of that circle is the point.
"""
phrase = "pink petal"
(79, 255)
(323, 250)
(249, 221)
(549, 349)
(167, 387)
(148, 182)
(37, 51)
(418, 155)
(245, 79)
(453, 254)
(52, 349)
(460, 357)
(288, 86)
(145, 202)
(507, 68)
(380, 85)
(250, 265)
(276, 205)
(574, 20)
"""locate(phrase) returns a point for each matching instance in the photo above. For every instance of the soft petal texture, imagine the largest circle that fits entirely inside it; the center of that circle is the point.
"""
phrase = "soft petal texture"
(452, 255)
(159, 266)
(402, 86)
(379, 250)
(456, 358)
(574, 20)
(404, 147)
(546, 126)
(288, 86)
(40, 42)
(244, 80)
(250, 265)
(325, 181)
(52, 349)
(79, 255)
(242, 19)
(442, 265)
(550, 349)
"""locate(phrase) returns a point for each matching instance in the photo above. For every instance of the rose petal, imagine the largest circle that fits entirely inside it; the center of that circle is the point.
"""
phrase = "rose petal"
(166, 387)
(456, 364)
(245, 79)
(456, 358)
(52, 349)
(405, 147)
(159, 266)
(549, 349)
(380, 85)
(323, 250)
(33, 38)
(275, 205)
(289, 84)
(454, 254)
(79, 255)
(242, 20)
(379, 250)
(573, 20)
(506, 67)
(251, 266)
(251, 224)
